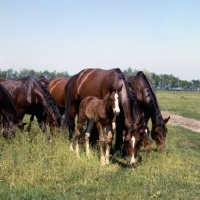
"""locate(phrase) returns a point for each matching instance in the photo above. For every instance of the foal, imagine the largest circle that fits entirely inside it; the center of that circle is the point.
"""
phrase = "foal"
(101, 112)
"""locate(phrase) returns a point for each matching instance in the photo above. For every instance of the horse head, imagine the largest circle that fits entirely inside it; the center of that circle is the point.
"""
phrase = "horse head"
(158, 132)
(142, 136)
(114, 99)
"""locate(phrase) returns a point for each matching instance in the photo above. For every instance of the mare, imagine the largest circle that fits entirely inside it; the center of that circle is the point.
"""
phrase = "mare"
(140, 126)
(145, 94)
(44, 82)
(94, 82)
(56, 88)
(32, 98)
(9, 112)
(100, 112)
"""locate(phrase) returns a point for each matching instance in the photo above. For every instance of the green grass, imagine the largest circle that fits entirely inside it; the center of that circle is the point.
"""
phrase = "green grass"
(31, 167)
(184, 103)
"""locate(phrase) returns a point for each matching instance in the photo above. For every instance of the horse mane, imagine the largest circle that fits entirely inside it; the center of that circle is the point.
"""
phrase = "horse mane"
(48, 97)
(44, 81)
(152, 105)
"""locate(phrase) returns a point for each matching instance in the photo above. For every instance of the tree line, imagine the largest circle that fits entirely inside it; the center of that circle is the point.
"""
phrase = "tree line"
(160, 82)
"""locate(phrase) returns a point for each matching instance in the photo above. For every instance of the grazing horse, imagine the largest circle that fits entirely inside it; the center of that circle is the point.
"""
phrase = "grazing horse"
(142, 130)
(56, 89)
(94, 82)
(32, 98)
(100, 112)
(9, 112)
(144, 91)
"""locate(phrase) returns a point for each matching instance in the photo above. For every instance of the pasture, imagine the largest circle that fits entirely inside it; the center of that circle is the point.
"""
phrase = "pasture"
(31, 167)
(184, 103)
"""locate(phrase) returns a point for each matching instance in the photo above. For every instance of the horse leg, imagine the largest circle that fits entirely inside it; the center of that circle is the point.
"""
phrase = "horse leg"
(71, 127)
(101, 142)
(78, 131)
(29, 125)
(87, 135)
(119, 135)
(109, 141)
(42, 126)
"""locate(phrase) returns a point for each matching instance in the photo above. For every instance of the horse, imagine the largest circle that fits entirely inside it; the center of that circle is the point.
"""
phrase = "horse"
(100, 112)
(140, 126)
(94, 82)
(9, 113)
(145, 94)
(56, 88)
(32, 98)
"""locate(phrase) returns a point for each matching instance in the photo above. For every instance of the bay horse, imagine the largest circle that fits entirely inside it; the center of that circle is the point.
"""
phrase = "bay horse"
(145, 94)
(56, 88)
(32, 98)
(100, 112)
(94, 82)
(9, 113)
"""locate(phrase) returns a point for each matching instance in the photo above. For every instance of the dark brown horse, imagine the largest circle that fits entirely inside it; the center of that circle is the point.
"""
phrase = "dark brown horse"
(32, 98)
(94, 82)
(9, 113)
(56, 89)
(100, 112)
(144, 91)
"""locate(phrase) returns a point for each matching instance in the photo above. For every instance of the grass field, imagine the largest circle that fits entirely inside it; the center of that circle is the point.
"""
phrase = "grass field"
(184, 103)
(33, 168)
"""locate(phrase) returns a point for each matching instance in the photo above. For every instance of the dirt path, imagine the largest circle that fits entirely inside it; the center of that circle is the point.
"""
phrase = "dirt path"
(177, 120)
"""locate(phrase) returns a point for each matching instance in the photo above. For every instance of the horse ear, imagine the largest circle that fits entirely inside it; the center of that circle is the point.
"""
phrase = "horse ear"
(166, 120)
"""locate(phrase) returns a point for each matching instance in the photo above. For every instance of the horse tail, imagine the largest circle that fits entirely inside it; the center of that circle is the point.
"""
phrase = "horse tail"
(67, 101)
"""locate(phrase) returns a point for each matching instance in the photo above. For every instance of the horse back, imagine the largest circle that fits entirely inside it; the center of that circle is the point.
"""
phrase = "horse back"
(93, 82)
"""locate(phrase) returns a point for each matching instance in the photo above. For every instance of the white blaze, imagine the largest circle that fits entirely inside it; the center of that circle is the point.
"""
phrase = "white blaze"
(116, 109)
(133, 159)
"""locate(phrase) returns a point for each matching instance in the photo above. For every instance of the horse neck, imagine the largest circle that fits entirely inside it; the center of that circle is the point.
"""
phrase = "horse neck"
(137, 115)
(150, 100)
(125, 101)
(48, 106)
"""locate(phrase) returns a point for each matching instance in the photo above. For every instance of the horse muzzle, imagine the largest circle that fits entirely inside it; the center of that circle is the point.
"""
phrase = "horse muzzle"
(116, 112)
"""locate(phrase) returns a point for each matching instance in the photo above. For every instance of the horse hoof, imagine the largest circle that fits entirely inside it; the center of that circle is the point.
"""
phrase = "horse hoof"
(107, 160)
(103, 161)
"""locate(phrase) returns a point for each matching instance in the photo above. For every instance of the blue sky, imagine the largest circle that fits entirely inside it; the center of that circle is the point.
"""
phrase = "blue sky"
(161, 36)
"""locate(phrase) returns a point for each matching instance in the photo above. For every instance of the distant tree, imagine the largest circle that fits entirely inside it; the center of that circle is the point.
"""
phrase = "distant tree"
(62, 74)
(27, 72)
(130, 72)
(162, 81)
(155, 80)
(195, 84)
